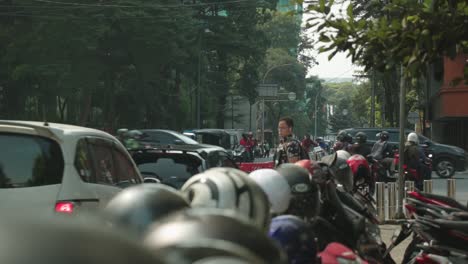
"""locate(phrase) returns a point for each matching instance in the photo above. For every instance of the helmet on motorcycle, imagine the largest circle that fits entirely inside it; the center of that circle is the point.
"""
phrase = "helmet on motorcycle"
(312, 166)
(343, 154)
(276, 188)
(135, 208)
(195, 234)
(336, 251)
(361, 137)
(122, 132)
(413, 137)
(342, 173)
(360, 168)
(295, 237)
(55, 241)
(229, 188)
(341, 136)
(305, 200)
(135, 134)
(384, 135)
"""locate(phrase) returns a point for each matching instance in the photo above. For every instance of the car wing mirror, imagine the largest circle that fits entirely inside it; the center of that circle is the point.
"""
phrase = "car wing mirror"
(178, 142)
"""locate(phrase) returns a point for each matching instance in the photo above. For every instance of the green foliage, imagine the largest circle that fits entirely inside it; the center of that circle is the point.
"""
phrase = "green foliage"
(382, 35)
(130, 63)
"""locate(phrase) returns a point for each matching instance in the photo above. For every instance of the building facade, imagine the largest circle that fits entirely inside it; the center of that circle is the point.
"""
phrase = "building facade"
(448, 108)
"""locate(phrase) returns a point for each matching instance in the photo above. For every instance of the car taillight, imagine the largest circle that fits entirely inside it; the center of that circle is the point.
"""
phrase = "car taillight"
(64, 207)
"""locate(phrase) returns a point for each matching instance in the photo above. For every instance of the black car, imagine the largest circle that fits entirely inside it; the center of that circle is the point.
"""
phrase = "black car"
(446, 159)
(175, 164)
(154, 137)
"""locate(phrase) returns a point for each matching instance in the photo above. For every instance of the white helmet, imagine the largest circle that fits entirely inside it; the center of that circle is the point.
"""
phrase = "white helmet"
(229, 188)
(413, 137)
(343, 154)
(276, 188)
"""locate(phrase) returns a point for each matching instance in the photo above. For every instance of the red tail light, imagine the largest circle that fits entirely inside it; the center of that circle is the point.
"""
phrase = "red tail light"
(64, 207)
(425, 259)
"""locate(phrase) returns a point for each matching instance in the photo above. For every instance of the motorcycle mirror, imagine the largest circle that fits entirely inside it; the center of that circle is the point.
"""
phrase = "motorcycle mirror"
(151, 180)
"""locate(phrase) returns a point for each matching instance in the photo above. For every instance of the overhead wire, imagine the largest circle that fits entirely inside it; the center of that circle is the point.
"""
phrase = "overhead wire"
(141, 6)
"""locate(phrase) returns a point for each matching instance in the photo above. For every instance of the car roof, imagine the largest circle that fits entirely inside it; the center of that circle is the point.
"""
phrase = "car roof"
(54, 130)
(376, 128)
(159, 130)
(186, 147)
(211, 131)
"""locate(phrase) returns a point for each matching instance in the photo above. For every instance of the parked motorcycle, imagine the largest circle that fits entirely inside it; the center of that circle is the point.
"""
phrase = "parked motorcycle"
(439, 226)
(348, 220)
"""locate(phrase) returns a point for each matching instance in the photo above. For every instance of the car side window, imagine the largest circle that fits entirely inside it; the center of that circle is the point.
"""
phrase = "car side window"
(83, 162)
(225, 161)
(101, 153)
(164, 138)
(214, 160)
(126, 174)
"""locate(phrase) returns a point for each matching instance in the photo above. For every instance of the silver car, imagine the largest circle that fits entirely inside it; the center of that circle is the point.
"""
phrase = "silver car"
(48, 168)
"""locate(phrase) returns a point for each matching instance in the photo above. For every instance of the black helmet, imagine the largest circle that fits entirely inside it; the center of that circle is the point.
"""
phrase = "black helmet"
(342, 173)
(296, 238)
(55, 241)
(384, 135)
(361, 137)
(206, 232)
(343, 136)
(135, 208)
(229, 188)
(305, 200)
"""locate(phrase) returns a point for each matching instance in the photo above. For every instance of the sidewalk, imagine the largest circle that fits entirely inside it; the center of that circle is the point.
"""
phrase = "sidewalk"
(387, 233)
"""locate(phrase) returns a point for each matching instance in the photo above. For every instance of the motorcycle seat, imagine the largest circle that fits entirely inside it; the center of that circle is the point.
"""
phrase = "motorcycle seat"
(449, 201)
(456, 225)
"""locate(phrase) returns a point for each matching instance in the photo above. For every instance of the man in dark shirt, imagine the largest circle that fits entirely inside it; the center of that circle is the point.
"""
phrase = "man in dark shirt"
(290, 150)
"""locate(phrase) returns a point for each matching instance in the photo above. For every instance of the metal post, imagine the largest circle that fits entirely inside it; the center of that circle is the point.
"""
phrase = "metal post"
(401, 173)
(250, 116)
(232, 111)
(427, 186)
(451, 188)
(263, 119)
(409, 187)
(199, 88)
(392, 200)
(373, 99)
(316, 114)
(380, 195)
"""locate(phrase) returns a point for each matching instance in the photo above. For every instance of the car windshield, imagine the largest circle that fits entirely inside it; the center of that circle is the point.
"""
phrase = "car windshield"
(29, 161)
(171, 168)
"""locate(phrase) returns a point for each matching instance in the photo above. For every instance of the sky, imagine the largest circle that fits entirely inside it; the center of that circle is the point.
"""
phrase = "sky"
(339, 66)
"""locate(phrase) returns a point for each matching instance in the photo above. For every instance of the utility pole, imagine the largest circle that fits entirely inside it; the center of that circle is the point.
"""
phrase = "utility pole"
(316, 112)
(401, 173)
(198, 86)
(373, 99)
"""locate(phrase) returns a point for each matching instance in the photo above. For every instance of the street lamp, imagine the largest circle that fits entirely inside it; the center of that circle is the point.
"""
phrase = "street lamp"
(316, 112)
(199, 79)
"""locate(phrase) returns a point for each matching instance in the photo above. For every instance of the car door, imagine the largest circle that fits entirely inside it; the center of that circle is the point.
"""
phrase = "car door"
(105, 181)
(31, 171)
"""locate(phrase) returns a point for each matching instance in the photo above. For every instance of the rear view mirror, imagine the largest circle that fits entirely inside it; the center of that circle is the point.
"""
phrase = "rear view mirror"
(151, 180)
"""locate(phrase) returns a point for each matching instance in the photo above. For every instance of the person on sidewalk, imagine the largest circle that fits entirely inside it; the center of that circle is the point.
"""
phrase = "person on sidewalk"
(290, 150)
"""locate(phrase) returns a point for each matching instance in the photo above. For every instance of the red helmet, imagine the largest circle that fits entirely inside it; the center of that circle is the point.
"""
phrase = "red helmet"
(313, 167)
(356, 161)
(361, 171)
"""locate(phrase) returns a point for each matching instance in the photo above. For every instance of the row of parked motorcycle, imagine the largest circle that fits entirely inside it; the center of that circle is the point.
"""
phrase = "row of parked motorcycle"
(439, 229)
